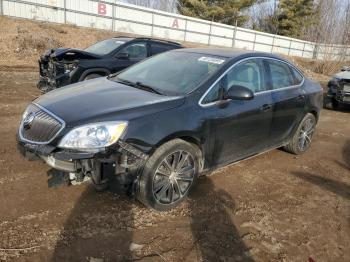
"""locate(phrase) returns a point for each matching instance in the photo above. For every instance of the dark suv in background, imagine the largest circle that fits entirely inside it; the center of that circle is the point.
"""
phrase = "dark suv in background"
(64, 66)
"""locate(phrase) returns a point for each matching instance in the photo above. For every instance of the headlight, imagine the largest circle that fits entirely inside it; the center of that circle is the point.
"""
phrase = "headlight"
(93, 137)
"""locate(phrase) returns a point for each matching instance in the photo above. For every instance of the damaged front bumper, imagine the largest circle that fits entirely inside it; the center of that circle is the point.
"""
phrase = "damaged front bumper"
(51, 80)
(46, 84)
(339, 92)
(122, 163)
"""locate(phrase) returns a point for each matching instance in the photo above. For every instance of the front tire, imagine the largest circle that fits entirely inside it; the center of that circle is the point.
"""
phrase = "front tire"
(169, 174)
(302, 137)
(335, 104)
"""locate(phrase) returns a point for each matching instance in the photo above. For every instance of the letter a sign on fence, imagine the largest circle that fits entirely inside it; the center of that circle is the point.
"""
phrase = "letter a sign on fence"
(175, 23)
(101, 7)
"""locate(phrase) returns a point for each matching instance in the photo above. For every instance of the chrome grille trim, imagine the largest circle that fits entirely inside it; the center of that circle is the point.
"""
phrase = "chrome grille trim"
(55, 117)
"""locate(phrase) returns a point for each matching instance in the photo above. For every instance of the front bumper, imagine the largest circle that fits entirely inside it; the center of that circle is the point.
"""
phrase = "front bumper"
(46, 84)
(60, 160)
(339, 92)
(122, 163)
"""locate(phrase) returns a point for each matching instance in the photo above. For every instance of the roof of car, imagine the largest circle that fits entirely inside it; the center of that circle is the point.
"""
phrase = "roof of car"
(227, 52)
(126, 39)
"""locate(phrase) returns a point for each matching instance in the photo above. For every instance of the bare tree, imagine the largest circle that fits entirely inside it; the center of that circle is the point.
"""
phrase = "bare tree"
(330, 32)
(163, 5)
(262, 16)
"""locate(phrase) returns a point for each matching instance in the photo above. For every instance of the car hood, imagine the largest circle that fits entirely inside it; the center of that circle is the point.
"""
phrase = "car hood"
(343, 75)
(68, 54)
(103, 100)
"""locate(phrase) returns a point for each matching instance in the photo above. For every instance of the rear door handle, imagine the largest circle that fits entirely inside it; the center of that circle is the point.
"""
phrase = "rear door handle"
(265, 107)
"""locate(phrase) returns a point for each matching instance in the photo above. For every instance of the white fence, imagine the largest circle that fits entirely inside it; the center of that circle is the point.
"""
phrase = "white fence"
(116, 16)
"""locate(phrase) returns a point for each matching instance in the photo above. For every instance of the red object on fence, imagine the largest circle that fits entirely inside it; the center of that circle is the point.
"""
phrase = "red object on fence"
(102, 9)
(175, 23)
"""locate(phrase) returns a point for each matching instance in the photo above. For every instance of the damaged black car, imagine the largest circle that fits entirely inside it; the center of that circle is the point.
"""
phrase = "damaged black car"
(156, 126)
(63, 66)
(339, 89)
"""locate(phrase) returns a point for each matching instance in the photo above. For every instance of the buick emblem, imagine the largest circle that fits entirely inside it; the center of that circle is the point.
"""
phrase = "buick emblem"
(28, 120)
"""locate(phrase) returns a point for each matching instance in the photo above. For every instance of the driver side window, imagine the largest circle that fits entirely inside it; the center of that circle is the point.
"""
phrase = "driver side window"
(249, 73)
(136, 51)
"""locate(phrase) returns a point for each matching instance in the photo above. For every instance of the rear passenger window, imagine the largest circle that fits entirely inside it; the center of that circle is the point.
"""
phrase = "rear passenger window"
(298, 78)
(281, 75)
(157, 48)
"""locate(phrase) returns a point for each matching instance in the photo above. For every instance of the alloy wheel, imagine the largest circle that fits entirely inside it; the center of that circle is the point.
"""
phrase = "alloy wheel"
(173, 177)
(305, 135)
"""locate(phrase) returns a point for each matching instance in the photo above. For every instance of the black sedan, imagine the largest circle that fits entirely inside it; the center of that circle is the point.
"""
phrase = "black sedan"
(159, 124)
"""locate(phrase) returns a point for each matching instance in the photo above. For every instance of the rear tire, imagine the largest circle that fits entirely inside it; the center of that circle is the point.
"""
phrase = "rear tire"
(168, 175)
(92, 76)
(302, 137)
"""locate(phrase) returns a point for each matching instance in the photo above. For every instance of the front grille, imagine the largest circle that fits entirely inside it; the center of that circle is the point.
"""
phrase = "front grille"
(43, 128)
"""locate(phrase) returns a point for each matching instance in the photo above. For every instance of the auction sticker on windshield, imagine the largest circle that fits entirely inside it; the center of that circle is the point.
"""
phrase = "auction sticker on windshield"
(211, 60)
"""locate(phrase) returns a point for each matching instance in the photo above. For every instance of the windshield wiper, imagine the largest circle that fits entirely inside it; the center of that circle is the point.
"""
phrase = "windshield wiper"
(147, 88)
(125, 82)
(138, 85)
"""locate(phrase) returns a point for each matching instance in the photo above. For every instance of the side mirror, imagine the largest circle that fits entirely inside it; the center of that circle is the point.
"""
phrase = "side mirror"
(122, 55)
(237, 92)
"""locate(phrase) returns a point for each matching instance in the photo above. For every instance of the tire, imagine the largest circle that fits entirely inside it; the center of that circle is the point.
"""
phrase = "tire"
(92, 76)
(99, 187)
(302, 138)
(335, 104)
(161, 169)
(99, 183)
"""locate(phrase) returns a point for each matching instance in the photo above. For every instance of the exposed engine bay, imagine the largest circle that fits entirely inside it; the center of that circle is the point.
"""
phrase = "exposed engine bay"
(56, 67)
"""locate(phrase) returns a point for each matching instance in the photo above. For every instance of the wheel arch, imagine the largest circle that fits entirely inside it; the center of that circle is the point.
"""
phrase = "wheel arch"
(315, 113)
(97, 70)
(189, 137)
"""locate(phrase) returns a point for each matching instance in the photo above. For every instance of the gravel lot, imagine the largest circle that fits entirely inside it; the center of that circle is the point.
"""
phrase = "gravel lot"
(274, 207)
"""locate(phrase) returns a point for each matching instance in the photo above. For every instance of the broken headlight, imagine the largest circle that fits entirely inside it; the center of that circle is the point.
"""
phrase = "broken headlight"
(93, 137)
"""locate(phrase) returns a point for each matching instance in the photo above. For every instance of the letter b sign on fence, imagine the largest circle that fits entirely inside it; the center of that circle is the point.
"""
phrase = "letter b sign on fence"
(101, 7)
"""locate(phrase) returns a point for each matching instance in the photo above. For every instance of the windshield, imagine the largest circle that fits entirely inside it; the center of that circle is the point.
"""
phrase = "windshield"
(104, 47)
(172, 73)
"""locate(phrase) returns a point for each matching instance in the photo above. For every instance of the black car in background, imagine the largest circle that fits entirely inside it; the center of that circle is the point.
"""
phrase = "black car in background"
(159, 124)
(64, 66)
(339, 89)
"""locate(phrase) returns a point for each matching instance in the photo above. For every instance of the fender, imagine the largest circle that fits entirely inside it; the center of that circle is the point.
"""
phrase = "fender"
(94, 70)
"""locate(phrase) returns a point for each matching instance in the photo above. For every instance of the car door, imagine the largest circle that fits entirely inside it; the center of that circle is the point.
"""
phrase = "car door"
(129, 55)
(288, 99)
(238, 129)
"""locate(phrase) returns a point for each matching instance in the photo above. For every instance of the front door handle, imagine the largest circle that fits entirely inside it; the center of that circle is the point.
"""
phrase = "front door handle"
(265, 107)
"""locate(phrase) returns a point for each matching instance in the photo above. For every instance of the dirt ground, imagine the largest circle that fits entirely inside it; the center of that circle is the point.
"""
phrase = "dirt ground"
(274, 207)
